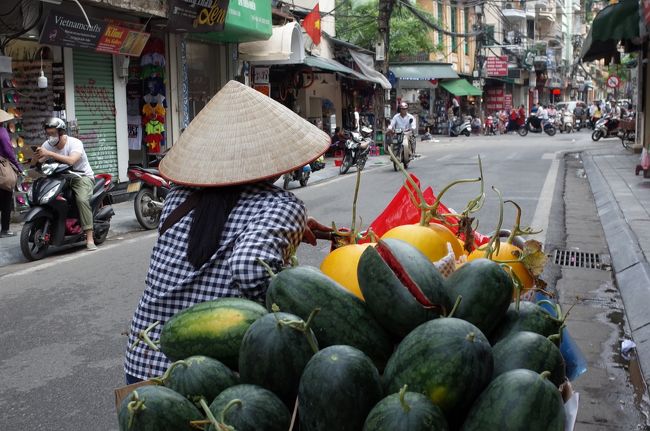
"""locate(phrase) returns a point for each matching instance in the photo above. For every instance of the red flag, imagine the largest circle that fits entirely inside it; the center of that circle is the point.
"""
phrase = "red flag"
(311, 24)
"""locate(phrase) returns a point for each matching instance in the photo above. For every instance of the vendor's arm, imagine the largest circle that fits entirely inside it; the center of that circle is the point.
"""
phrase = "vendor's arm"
(44, 153)
(273, 238)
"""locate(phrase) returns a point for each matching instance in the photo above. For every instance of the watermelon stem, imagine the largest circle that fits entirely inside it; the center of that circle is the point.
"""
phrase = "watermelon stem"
(402, 399)
(143, 336)
(545, 374)
(165, 377)
(294, 414)
(456, 305)
(218, 424)
(303, 327)
(222, 415)
(266, 266)
(134, 407)
(517, 229)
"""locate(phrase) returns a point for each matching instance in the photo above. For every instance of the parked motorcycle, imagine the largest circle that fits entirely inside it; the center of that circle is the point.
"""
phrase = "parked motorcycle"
(490, 128)
(301, 175)
(356, 152)
(578, 124)
(534, 125)
(54, 217)
(403, 149)
(459, 127)
(567, 122)
(605, 128)
(152, 190)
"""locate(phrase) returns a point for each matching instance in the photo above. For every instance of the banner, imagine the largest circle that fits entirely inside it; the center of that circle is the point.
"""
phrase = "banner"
(497, 66)
(197, 16)
(72, 31)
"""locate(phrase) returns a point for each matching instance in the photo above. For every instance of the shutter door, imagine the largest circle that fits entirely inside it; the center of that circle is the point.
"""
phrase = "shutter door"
(95, 109)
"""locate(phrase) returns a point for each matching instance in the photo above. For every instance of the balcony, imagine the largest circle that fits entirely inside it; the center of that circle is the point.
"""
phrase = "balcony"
(514, 15)
(559, 6)
(546, 13)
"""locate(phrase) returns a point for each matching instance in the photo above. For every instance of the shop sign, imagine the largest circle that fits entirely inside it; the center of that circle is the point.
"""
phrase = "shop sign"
(265, 89)
(72, 31)
(261, 75)
(197, 16)
(507, 101)
(497, 66)
(495, 99)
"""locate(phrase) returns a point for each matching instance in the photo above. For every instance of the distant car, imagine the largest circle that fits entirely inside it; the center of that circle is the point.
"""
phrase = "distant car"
(570, 105)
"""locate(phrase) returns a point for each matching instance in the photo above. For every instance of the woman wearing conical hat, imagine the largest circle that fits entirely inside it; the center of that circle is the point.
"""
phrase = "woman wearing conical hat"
(224, 214)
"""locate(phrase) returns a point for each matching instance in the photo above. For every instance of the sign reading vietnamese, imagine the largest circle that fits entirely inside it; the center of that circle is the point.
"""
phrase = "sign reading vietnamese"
(73, 32)
(197, 16)
(495, 99)
(497, 66)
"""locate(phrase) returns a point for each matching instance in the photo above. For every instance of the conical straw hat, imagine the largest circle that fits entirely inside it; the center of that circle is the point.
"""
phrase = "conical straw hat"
(242, 136)
(5, 116)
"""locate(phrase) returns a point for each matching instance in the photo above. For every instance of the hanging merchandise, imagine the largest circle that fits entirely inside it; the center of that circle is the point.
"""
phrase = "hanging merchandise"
(154, 107)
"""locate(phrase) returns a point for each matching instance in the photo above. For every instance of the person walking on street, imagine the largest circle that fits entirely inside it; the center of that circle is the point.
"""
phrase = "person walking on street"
(224, 215)
(6, 196)
(70, 151)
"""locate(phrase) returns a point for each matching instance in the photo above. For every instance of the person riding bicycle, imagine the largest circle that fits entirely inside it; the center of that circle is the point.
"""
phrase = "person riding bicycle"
(405, 121)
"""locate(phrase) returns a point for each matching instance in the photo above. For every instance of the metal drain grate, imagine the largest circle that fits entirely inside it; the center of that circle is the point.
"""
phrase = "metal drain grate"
(577, 259)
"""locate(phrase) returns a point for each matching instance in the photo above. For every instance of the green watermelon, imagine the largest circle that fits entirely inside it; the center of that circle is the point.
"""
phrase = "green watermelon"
(517, 400)
(530, 317)
(338, 388)
(157, 408)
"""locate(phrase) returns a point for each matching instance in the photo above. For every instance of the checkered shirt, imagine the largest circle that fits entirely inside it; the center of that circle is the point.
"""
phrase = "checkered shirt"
(267, 223)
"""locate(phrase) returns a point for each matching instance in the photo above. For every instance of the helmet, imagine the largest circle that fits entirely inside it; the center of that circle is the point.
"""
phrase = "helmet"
(403, 105)
(54, 123)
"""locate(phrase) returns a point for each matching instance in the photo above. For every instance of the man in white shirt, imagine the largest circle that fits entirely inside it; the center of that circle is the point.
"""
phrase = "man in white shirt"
(69, 150)
(405, 121)
(615, 110)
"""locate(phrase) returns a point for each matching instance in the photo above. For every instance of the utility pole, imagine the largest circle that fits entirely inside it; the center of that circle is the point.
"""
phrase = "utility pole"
(478, 60)
(383, 39)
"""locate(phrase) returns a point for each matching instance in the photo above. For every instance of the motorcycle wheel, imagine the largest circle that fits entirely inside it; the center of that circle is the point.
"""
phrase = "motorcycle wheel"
(287, 180)
(361, 164)
(596, 135)
(523, 131)
(32, 244)
(347, 162)
(304, 179)
(466, 132)
(148, 218)
(551, 131)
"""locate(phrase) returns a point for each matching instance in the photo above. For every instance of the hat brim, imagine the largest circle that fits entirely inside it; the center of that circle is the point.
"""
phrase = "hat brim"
(5, 116)
(242, 136)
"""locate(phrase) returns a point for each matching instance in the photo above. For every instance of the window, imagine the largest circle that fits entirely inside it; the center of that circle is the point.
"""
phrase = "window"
(466, 29)
(441, 21)
(530, 29)
(454, 28)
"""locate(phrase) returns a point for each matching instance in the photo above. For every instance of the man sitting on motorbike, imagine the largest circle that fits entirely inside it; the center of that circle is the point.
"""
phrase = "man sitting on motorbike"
(405, 121)
(616, 113)
(70, 151)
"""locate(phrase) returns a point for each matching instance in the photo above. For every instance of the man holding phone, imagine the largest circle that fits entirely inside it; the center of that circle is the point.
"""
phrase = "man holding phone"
(69, 150)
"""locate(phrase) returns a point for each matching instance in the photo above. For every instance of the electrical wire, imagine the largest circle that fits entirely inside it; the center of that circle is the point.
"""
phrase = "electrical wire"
(437, 27)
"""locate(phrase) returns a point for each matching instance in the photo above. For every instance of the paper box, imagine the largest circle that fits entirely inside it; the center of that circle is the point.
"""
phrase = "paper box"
(121, 393)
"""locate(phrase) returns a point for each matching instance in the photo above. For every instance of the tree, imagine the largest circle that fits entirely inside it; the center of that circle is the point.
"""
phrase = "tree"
(358, 25)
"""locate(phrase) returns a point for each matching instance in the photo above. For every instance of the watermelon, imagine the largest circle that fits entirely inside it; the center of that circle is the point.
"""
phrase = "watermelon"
(401, 286)
(405, 411)
(486, 291)
(530, 317)
(273, 353)
(198, 376)
(212, 328)
(150, 408)
(530, 351)
(449, 360)
(338, 388)
(517, 400)
(343, 318)
(249, 408)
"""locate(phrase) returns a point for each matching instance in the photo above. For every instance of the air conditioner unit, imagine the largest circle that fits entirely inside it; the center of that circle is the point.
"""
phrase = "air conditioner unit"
(509, 5)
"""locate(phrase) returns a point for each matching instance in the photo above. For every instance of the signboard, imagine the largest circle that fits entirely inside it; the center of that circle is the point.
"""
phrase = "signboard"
(646, 11)
(507, 101)
(265, 89)
(261, 75)
(613, 81)
(497, 66)
(197, 16)
(72, 31)
(495, 99)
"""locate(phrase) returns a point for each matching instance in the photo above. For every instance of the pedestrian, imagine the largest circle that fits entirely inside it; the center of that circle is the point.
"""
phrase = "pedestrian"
(224, 214)
(455, 106)
(7, 196)
(70, 150)
(521, 120)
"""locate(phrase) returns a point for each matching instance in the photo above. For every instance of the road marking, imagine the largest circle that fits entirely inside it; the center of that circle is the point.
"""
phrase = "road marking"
(77, 255)
(543, 210)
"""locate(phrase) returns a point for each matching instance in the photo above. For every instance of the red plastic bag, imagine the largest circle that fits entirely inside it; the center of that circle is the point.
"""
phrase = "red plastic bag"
(401, 211)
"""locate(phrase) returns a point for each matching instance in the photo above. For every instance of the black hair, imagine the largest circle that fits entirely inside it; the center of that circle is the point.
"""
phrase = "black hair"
(210, 217)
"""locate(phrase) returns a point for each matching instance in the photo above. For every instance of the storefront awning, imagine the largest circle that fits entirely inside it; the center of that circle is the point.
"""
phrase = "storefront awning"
(423, 71)
(613, 23)
(330, 65)
(460, 87)
(285, 46)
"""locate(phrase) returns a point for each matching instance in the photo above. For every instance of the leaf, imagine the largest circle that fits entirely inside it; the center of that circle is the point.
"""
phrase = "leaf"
(533, 257)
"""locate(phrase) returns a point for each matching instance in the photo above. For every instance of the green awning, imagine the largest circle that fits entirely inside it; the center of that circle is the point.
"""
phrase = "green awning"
(615, 22)
(246, 21)
(423, 71)
(460, 87)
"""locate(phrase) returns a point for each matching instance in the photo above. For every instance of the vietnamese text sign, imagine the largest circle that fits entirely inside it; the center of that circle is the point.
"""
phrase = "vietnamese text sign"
(494, 99)
(197, 16)
(120, 40)
(507, 101)
(497, 66)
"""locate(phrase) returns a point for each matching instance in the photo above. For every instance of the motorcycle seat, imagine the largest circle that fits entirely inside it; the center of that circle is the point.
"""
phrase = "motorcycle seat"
(99, 184)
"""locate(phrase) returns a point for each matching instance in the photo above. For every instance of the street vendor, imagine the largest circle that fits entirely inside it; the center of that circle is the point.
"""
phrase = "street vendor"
(224, 214)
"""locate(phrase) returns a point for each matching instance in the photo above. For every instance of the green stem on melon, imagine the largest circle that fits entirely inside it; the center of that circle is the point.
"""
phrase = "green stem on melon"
(354, 205)
(494, 244)
(471, 337)
(231, 404)
(266, 266)
(134, 406)
(168, 372)
(199, 424)
(456, 305)
(519, 286)
(556, 338)
(545, 374)
(218, 425)
(402, 399)
(516, 229)
(294, 415)
(304, 327)
(143, 336)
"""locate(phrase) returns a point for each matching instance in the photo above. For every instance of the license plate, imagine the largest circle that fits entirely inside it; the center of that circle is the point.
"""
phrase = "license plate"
(133, 187)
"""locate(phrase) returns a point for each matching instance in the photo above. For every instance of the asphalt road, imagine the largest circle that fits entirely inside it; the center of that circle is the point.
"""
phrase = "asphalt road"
(63, 318)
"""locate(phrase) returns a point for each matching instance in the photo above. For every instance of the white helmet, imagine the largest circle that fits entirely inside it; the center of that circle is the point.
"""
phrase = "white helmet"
(55, 123)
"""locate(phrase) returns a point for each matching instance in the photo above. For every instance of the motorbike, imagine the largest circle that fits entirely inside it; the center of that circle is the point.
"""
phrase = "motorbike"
(459, 127)
(403, 149)
(54, 218)
(356, 152)
(604, 128)
(567, 122)
(578, 124)
(152, 189)
(534, 125)
(301, 175)
(490, 128)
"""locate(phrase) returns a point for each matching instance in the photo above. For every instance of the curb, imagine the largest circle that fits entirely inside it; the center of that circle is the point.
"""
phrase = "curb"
(631, 269)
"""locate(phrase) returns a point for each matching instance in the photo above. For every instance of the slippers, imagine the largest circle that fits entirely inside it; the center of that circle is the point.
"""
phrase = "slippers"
(90, 246)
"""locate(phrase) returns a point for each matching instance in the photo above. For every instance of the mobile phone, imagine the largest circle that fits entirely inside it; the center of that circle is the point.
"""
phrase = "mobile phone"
(34, 148)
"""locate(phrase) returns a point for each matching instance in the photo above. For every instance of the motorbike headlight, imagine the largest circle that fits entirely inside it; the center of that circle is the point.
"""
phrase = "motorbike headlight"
(30, 194)
(48, 195)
